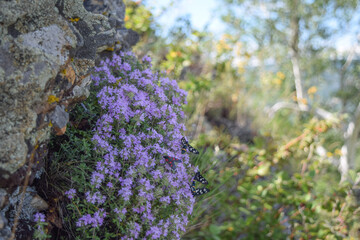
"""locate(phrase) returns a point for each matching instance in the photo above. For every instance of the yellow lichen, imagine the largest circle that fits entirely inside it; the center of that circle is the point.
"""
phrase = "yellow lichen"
(74, 19)
(52, 99)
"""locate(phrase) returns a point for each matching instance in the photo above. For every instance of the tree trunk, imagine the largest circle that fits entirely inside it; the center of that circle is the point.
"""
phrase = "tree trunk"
(295, 56)
(348, 151)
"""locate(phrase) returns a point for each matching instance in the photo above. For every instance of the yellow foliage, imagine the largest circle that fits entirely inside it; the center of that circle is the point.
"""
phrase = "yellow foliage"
(303, 101)
(50, 124)
(329, 154)
(312, 90)
(277, 81)
(238, 48)
(222, 45)
(280, 75)
(241, 69)
(52, 99)
(234, 97)
(173, 54)
(230, 229)
(226, 36)
(338, 152)
(110, 49)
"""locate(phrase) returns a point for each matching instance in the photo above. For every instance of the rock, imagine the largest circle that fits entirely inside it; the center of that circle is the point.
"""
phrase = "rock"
(4, 198)
(12, 148)
(59, 117)
(47, 51)
(5, 233)
(38, 203)
(60, 131)
(32, 203)
(3, 221)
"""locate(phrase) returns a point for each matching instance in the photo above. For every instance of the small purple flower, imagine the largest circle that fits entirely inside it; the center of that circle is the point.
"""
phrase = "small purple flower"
(95, 198)
(126, 67)
(135, 230)
(39, 217)
(155, 232)
(109, 185)
(71, 193)
(95, 221)
(123, 211)
(165, 199)
(146, 59)
(97, 178)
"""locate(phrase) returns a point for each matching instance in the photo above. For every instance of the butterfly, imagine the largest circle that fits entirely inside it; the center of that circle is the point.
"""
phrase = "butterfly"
(171, 161)
(186, 145)
(198, 191)
(200, 178)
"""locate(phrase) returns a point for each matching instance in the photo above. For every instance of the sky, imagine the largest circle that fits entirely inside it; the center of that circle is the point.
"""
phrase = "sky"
(202, 12)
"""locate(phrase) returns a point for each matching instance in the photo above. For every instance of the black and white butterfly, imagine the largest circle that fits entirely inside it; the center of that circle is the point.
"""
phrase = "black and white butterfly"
(198, 191)
(171, 161)
(200, 178)
(186, 145)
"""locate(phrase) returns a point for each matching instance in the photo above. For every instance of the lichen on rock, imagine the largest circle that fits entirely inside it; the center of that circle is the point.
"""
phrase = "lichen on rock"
(45, 52)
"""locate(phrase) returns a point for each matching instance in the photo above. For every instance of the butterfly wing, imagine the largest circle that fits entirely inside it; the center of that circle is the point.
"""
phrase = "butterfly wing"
(170, 161)
(192, 187)
(183, 149)
(192, 149)
(200, 178)
(200, 191)
(186, 145)
(183, 141)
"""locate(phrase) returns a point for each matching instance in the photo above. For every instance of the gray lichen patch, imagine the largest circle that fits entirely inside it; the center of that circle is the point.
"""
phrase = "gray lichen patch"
(52, 44)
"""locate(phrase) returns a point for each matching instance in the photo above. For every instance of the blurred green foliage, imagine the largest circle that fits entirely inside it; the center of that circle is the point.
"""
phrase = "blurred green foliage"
(267, 179)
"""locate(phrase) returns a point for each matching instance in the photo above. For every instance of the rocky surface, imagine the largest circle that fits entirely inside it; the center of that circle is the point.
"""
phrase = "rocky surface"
(47, 51)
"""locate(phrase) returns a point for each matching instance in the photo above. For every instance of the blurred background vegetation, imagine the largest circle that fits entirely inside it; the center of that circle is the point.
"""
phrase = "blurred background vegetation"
(273, 105)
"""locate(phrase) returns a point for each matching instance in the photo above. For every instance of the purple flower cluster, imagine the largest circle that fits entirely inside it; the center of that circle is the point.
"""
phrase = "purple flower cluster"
(140, 123)
(39, 217)
(70, 193)
(95, 221)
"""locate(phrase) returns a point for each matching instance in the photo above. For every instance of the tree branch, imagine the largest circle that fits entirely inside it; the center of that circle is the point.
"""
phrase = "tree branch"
(322, 113)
